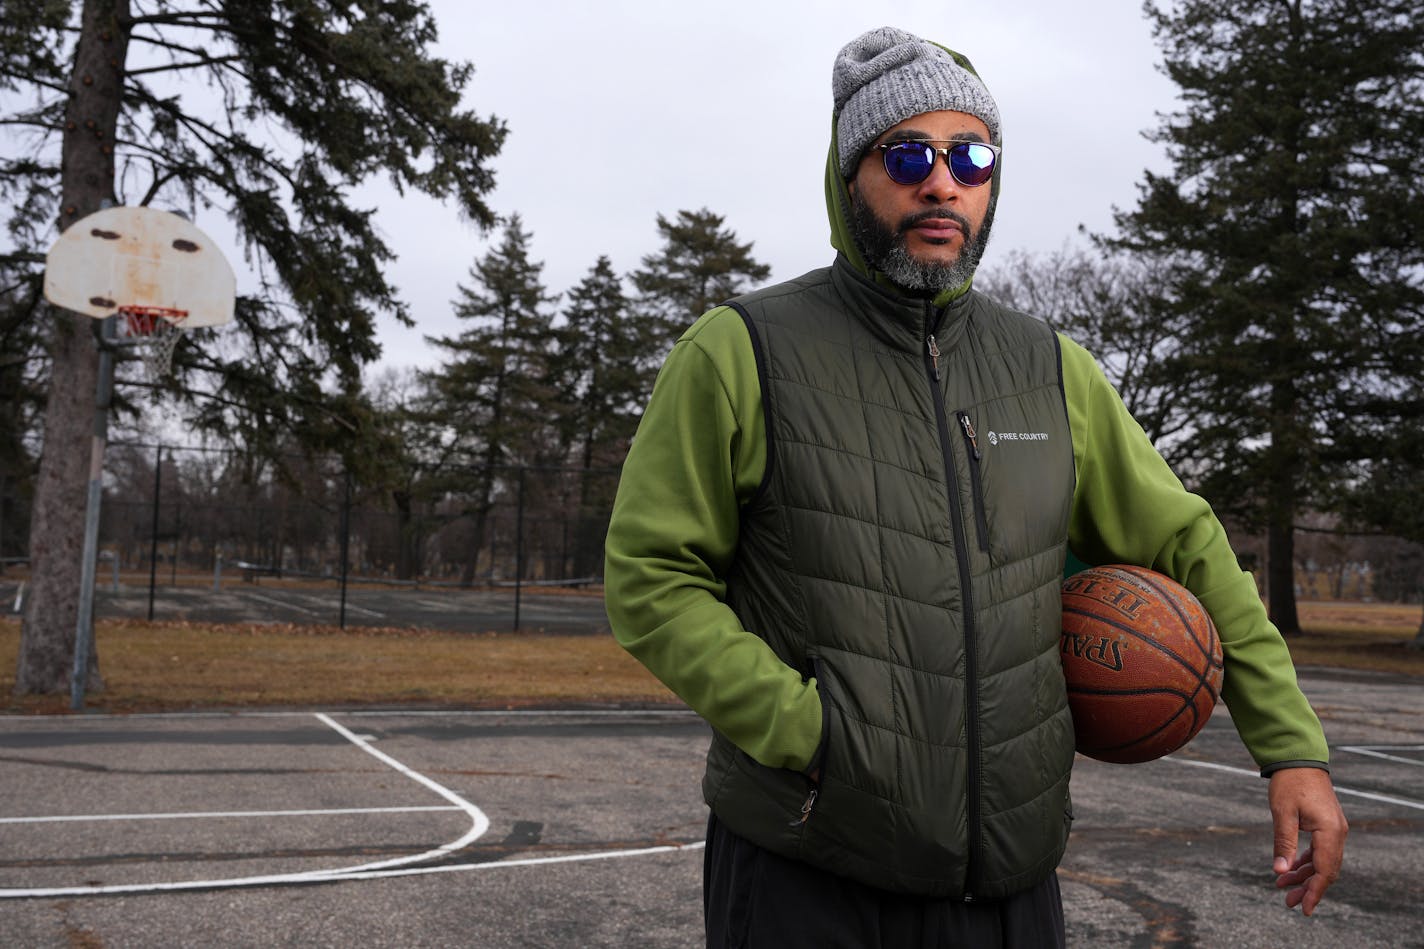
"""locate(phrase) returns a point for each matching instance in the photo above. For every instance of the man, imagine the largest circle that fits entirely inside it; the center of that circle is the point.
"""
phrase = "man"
(815, 547)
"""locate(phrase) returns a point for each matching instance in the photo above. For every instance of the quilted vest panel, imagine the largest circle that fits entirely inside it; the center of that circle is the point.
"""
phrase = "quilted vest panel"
(906, 549)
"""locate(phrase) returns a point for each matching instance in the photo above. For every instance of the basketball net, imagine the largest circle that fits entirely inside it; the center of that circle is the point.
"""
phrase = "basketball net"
(155, 331)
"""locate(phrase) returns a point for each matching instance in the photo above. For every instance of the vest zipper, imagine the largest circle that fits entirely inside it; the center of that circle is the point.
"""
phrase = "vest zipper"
(806, 808)
(971, 440)
(819, 761)
(966, 588)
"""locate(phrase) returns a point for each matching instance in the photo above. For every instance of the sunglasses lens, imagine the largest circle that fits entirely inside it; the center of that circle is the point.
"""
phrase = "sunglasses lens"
(909, 163)
(971, 163)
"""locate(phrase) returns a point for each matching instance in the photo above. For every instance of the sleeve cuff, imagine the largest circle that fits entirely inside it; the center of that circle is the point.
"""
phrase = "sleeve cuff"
(1270, 769)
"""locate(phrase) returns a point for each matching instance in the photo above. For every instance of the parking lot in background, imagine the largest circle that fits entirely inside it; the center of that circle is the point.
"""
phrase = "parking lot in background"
(266, 599)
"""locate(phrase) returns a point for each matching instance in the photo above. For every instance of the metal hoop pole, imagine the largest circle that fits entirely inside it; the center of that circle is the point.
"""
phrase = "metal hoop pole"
(84, 629)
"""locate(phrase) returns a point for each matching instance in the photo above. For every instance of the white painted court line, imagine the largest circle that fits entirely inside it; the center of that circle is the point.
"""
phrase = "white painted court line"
(1368, 795)
(1375, 751)
(282, 603)
(528, 862)
(671, 712)
(353, 608)
(518, 713)
(318, 604)
(430, 603)
(337, 877)
(211, 815)
(479, 824)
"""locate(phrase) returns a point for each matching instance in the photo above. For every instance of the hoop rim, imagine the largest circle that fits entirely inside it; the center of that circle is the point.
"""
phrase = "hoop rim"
(143, 321)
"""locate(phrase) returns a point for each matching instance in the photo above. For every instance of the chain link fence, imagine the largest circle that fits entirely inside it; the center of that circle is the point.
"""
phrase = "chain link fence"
(204, 521)
(175, 516)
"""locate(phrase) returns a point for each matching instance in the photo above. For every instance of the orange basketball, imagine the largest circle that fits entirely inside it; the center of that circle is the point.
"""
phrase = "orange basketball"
(1142, 662)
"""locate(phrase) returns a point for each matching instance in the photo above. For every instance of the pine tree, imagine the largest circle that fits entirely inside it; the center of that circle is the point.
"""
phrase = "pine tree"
(1294, 211)
(21, 402)
(408, 464)
(492, 392)
(600, 368)
(602, 373)
(699, 266)
(112, 100)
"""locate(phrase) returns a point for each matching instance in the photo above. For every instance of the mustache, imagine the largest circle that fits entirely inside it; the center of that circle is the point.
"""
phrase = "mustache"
(911, 220)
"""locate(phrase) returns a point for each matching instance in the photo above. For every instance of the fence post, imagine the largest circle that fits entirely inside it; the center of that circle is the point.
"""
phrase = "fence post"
(564, 544)
(177, 522)
(153, 534)
(519, 549)
(345, 543)
(177, 525)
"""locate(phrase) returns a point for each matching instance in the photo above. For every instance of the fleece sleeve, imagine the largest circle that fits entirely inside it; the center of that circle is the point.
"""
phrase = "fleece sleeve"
(1128, 507)
(699, 453)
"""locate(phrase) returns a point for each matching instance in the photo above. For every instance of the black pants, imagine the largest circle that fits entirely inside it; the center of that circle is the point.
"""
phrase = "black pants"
(754, 898)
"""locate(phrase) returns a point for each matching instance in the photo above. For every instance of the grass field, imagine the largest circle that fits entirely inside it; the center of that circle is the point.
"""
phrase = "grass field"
(169, 665)
(165, 666)
(1372, 636)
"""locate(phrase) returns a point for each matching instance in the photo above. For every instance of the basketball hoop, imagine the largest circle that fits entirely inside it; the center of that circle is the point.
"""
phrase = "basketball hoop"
(161, 273)
(155, 331)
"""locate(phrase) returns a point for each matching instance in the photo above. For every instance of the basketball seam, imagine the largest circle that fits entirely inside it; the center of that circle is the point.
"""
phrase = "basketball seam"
(1142, 637)
(1208, 651)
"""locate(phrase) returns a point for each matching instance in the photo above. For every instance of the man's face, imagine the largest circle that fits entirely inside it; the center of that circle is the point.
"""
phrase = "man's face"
(927, 236)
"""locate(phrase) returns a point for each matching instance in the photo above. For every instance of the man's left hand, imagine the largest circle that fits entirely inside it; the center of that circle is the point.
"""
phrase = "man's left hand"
(1303, 799)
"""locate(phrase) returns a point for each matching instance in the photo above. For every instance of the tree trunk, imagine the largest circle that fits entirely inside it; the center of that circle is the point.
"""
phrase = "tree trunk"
(477, 546)
(588, 536)
(407, 537)
(51, 614)
(1280, 575)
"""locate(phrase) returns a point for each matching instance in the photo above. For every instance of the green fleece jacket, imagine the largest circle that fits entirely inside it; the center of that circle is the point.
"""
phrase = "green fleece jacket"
(701, 452)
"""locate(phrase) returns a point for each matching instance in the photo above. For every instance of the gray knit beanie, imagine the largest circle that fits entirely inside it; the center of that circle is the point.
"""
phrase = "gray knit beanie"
(887, 75)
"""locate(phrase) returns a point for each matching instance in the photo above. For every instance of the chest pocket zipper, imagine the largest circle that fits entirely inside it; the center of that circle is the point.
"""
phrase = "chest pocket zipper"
(976, 481)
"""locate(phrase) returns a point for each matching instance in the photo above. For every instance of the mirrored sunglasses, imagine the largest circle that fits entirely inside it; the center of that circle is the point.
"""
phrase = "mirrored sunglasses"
(909, 163)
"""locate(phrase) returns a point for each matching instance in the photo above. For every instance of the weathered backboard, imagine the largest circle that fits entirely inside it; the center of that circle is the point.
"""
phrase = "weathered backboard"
(143, 257)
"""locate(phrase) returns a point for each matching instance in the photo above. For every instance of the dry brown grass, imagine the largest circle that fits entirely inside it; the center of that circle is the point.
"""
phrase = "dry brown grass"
(156, 666)
(1370, 636)
(168, 665)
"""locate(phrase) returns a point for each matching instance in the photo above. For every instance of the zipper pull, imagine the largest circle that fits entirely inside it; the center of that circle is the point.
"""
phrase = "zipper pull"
(934, 356)
(805, 810)
(970, 434)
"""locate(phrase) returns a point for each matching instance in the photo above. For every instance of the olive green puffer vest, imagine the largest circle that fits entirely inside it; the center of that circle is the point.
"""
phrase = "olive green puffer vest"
(906, 548)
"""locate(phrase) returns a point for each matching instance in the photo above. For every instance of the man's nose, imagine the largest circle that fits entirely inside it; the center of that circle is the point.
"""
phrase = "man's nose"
(941, 186)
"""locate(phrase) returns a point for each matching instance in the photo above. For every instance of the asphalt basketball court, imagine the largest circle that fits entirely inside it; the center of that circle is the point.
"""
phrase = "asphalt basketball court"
(576, 828)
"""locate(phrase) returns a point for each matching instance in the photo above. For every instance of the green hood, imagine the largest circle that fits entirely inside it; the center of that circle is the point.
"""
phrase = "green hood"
(838, 208)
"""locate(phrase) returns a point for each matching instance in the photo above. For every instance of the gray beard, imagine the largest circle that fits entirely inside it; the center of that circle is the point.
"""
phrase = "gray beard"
(884, 249)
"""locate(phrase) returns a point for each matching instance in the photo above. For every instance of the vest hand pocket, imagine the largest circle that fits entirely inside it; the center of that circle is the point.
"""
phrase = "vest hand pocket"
(816, 771)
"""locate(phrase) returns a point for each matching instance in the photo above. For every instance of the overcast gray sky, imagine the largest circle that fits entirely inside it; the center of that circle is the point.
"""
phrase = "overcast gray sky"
(619, 111)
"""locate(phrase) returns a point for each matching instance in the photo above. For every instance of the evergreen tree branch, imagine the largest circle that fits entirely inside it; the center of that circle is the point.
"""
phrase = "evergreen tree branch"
(203, 62)
(32, 79)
